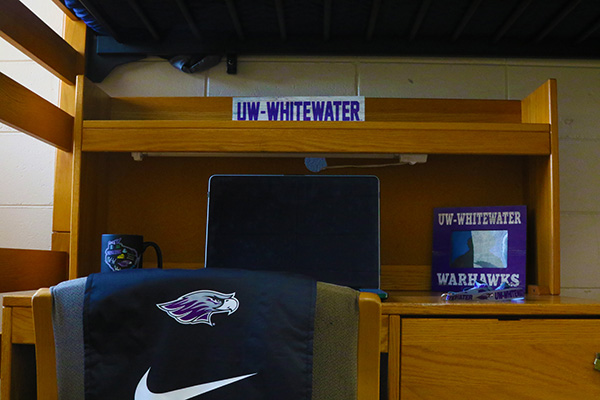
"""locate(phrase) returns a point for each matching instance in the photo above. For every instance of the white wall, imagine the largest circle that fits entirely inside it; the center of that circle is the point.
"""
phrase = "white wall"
(26, 164)
(579, 100)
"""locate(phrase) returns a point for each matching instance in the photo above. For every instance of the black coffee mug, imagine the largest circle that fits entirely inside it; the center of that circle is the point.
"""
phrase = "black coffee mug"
(125, 252)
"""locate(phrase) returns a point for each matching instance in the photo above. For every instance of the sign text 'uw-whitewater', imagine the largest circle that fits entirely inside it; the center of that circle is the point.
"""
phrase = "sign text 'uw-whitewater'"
(339, 108)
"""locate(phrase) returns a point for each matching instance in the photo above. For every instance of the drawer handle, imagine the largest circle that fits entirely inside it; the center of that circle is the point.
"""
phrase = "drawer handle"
(597, 362)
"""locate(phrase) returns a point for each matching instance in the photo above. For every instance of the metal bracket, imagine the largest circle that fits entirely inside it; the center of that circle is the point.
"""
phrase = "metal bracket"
(232, 64)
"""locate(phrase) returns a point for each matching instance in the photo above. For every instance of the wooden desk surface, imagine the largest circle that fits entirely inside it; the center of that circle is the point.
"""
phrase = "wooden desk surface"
(425, 303)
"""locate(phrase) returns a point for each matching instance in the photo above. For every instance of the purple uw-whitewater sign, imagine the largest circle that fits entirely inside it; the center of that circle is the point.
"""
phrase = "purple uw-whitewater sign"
(315, 108)
(479, 244)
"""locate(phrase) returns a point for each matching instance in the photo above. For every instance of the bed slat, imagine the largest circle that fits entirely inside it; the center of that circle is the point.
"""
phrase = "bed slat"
(27, 112)
(29, 34)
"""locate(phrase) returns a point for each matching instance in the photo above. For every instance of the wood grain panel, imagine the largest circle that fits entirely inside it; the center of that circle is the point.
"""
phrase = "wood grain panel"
(18, 299)
(92, 212)
(394, 357)
(31, 269)
(25, 31)
(442, 110)
(6, 353)
(22, 325)
(63, 173)
(376, 109)
(406, 277)
(541, 107)
(91, 191)
(385, 326)
(170, 108)
(95, 103)
(74, 32)
(306, 137)
(61, 241)
(368, 346)
(88, 98)
(27, 112)
(44, 342)
(164, 199)
(525, 359)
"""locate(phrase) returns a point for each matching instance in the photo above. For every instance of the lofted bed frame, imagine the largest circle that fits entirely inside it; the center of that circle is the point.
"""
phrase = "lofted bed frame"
(481, 152)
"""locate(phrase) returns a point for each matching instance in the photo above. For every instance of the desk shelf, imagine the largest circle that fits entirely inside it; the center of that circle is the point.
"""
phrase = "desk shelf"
(299, 138)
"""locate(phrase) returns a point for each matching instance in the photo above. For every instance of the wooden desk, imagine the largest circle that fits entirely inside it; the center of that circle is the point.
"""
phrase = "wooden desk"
(17, 368)
(541, 348)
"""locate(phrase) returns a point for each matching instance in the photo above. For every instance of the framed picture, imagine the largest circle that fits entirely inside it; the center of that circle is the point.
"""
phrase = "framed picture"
(479, 245)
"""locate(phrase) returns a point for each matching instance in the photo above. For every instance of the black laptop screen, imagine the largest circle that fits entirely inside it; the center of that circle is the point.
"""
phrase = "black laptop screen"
(326, 227)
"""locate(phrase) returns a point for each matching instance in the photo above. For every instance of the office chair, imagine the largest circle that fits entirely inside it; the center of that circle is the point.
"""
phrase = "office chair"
(343, 367)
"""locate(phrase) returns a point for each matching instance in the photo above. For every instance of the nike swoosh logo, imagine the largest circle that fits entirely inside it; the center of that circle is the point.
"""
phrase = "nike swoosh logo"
(143, 393)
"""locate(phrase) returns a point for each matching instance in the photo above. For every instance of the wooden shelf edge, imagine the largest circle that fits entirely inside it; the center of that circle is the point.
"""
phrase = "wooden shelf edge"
(294, 137)
(319, 125)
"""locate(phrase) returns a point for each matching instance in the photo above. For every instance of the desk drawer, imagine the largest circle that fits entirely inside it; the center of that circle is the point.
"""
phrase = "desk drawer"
(499, 359)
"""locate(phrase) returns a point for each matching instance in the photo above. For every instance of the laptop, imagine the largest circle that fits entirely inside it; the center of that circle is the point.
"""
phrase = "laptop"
(325, 226)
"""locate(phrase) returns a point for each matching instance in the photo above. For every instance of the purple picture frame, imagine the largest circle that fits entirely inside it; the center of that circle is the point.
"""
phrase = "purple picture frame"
(479, 244)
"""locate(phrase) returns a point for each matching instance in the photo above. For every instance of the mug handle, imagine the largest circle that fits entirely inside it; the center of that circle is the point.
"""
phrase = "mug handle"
(158, 252)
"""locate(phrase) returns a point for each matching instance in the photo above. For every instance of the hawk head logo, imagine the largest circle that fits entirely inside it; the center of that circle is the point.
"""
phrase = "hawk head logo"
(198, 307)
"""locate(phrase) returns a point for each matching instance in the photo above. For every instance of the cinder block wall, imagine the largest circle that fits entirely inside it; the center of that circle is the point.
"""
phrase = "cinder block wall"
(26, 164)
(27, 181)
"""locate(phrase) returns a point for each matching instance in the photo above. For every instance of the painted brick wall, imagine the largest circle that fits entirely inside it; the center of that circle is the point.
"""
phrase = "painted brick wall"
(27, 165)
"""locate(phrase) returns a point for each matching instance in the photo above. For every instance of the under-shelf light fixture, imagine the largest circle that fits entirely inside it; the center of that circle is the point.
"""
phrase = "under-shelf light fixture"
(314, 162)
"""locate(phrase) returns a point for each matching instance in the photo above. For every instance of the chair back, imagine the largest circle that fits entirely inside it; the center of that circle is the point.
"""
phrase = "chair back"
(338, 373)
